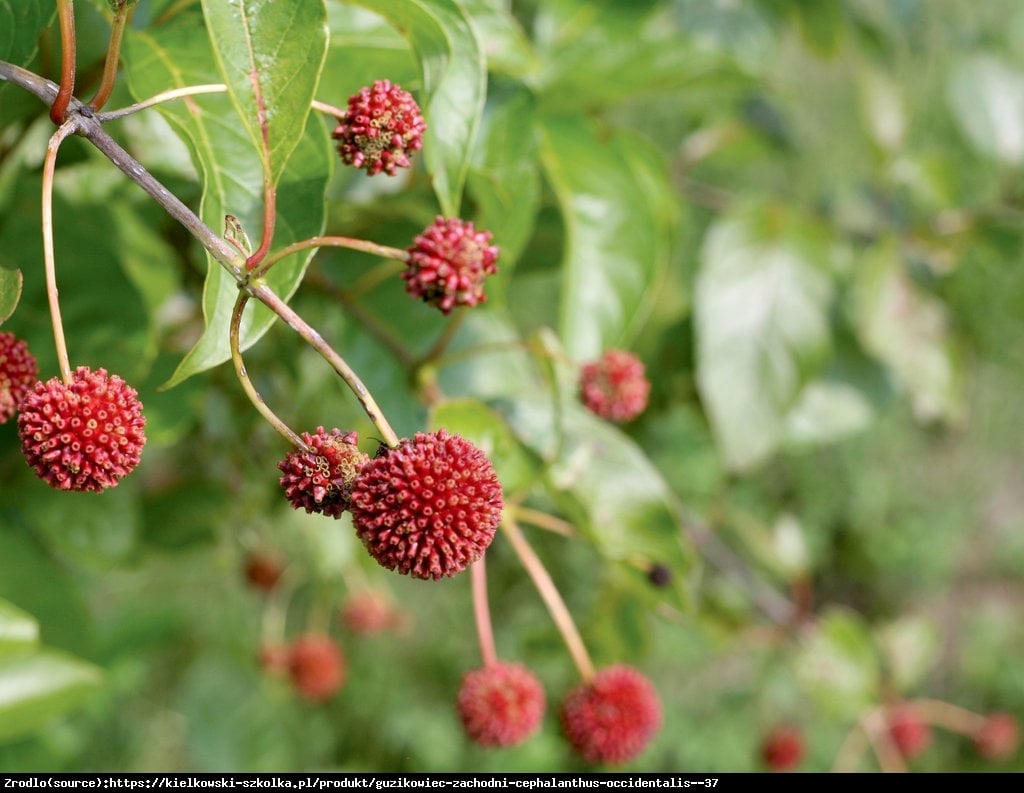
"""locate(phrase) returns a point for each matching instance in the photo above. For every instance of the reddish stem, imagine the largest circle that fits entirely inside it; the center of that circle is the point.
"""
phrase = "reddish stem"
(113, 58)
(59, 108)
(269, 191)
(482, 612)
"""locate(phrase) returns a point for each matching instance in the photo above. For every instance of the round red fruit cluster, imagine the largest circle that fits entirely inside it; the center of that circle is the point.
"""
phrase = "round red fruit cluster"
(782, 748)
(83, 435)
(428, 507)
(316, 667)
(615, 386)
(448, 264)
(612, 718)
(319, 478)
(908, 730)
(500, 704)
(382, 126)
(18, 371)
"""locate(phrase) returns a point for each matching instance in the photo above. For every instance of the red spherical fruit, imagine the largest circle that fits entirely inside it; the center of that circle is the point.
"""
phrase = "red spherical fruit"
(85, 435)
(274, 658)
(382, 126)
(500, 704)
(998, 737)
(319, 478)
(448, 264)
(428, 507)
(369, 612)
(18, 371)
(613, 717)
(263, 570)
(316, 666)
(783, 747)
(615, 386)
(911, 734)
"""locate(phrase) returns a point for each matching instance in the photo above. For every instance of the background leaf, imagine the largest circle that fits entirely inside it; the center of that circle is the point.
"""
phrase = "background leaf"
(10, 292)
(18, 630)
(21, 23)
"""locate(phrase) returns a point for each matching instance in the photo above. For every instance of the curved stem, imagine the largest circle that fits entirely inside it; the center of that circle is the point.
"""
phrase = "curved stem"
(113, 57)
(49, 165)
(543, 520)
(330, 110)
(163, 96)
(482, 612)
(273, 301)
(330, 242)
(247, 384)
(551, 597)
(442, 342)
(59, 108)
(269, 188)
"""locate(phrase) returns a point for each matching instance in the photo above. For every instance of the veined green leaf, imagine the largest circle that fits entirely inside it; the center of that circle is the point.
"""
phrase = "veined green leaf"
(620, 217)
(178, 55)
(21, 23)
(454, 86)
(18, 630)
(762, 300)
(10, 292)
(270, 55)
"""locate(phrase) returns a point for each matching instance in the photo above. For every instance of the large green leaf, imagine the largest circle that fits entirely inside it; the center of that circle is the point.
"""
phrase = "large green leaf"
(619, 214)
(270, 55)
(908, 330)
(21, 23)
(37, 687)
(837, 664)
(10, 291)
(177, 55)
(454, 85)
(18, 630)
(986, 95)
(763, 295)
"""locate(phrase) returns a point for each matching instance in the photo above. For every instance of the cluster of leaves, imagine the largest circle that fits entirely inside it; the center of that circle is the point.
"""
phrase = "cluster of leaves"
(801, 215)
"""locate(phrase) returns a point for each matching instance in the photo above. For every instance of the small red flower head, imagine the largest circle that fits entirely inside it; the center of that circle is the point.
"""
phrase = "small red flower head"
(783, 748)
(448, 264)
(500, 704)
(319, 479)
(613, 717)
(18, 371)
(369, 612)
(316, 666)
(429, 507)
(381, 128)
(263, 570)
(615, 386)
(84, 435)
(274, 658)
(911, 733)
(998, 737)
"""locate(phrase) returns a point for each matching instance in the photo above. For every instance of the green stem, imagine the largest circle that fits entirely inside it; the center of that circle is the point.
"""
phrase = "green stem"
(59, 108)
(163, 96)
(247, 385)
(330, 242)
(552, 598)
(49, 265)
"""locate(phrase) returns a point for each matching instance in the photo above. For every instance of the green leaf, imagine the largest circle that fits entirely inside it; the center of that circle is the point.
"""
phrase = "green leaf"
(21, 24)
(508, 49)
(908, 330)
(620, 214)
(821, 23)
(911, 646)
(176, 55)
(36, 688)
(10, 292)
(505, 177)
(270, 55)
(762, 300)
(986, 95)
(454, 85)
(837, 665)
(18, 630)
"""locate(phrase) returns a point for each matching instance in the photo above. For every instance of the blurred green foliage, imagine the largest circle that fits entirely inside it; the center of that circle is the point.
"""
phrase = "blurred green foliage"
(806, 218)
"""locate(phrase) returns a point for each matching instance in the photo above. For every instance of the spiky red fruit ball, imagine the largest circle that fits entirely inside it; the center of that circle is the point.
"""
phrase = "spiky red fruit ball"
(908, 730)
(998, 737)
(18, 371)
(428, 507)
(615, 386)
(613, 717)
(85, 435)
(316, 666)
(448, 264)
(263, 570)
(500, 704)
(319, 478)
(782, 748)
(382, 126)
